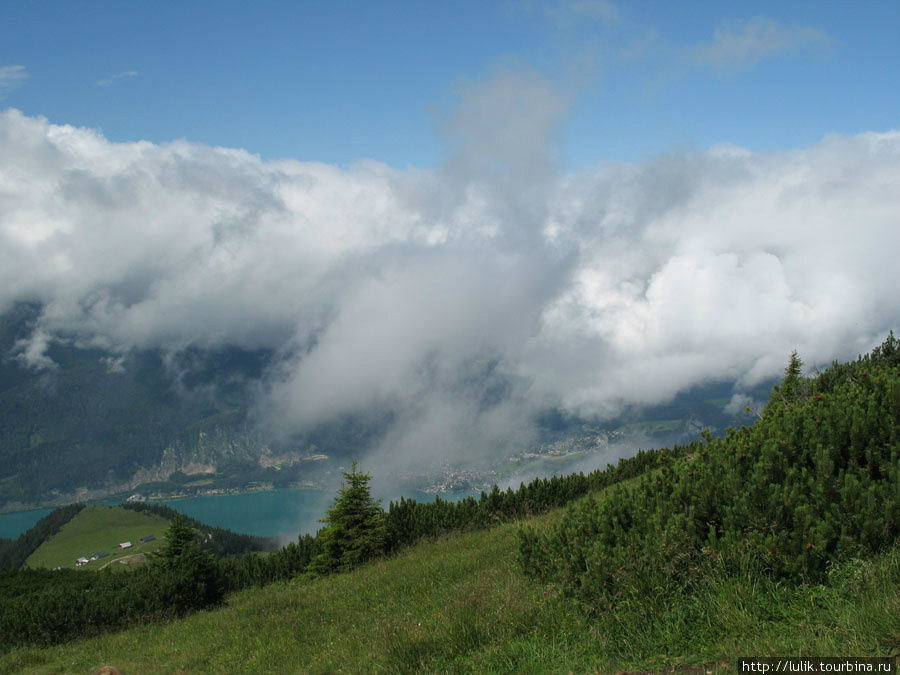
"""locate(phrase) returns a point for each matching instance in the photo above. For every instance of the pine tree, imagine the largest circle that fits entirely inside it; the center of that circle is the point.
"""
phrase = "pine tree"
(178, 537)
(792, 372)
(185, 576)
(354, 526)
(792, 388)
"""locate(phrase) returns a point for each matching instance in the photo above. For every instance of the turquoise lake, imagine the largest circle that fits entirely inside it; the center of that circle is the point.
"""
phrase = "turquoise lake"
(286, 512)
(14, 524)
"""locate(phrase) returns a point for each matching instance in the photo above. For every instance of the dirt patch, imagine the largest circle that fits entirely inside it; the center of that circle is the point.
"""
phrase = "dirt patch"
(134, 559)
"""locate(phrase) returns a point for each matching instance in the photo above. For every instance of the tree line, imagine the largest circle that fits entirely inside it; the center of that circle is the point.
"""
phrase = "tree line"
(218, 540)
(14, 552)
(357, 529)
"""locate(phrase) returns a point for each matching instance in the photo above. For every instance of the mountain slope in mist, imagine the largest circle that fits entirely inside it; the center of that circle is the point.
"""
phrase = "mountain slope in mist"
(98, 423)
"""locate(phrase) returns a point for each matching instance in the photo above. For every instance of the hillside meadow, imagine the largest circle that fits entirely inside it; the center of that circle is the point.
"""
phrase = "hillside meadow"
(100, 528)
(461, 603)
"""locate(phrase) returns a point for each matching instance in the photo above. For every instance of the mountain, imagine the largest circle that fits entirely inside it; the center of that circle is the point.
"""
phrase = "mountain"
(97, 423)
(88, 425)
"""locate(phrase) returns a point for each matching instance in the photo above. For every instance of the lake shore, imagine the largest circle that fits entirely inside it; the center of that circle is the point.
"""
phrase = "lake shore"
(260, 510)
(102, 495)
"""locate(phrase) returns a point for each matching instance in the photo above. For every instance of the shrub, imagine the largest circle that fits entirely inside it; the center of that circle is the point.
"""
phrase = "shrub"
(814, 481)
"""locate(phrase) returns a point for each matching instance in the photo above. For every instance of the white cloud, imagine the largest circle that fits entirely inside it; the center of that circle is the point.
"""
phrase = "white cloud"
(741, 404)
(32, 353)
(118, 77)
(456, 301)
(744, 45)
(11, 77)
(114, 364)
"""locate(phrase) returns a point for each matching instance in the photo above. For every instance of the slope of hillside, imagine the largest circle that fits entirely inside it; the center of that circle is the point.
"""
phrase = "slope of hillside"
(461, 603)
(666, 563)
(100, 528)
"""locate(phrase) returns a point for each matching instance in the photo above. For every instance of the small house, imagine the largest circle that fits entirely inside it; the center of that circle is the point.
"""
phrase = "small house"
(125, 544)
(149, 537)
(81, 561)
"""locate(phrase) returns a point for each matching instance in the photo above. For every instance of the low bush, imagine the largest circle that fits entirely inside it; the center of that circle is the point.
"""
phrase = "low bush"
(815, 481)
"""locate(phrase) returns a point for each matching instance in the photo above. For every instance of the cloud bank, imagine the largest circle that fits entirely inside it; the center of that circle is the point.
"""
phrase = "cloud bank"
(460, 300)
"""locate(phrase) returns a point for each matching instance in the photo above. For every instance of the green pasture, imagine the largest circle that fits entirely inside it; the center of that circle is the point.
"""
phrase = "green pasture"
(100, 528)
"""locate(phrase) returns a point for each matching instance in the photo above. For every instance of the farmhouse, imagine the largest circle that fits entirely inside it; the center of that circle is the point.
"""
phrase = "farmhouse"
(149, 537)
(125, 544)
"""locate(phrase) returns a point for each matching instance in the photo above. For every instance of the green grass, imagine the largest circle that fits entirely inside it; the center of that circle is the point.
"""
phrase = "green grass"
(100, 528)
(460, 604)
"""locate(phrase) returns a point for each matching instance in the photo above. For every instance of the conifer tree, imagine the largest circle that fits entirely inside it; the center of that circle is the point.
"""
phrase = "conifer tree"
(792, 373)
(792, 388)
(186, 577)
(355, 526)
(178, 537)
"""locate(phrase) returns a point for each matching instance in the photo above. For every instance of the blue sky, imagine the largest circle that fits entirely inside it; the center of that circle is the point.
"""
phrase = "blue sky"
(342, 81)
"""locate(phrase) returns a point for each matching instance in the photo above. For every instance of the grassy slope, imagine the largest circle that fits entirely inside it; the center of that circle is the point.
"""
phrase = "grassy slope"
(99, 528)
(461, 604)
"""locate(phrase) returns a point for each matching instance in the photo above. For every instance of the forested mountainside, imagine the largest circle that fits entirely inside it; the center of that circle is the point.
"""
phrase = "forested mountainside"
(87, 423)
(96, 423)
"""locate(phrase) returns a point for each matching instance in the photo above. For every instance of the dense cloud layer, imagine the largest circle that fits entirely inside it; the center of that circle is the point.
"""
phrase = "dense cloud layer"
(460, 299)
